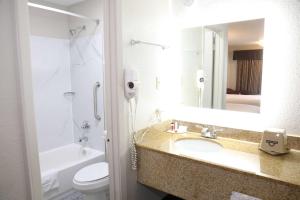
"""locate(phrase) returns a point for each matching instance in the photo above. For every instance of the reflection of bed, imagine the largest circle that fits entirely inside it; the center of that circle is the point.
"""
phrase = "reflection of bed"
(242, 107)
(246, 103)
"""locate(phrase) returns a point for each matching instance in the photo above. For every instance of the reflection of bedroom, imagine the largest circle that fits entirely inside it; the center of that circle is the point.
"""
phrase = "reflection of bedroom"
(245, 52)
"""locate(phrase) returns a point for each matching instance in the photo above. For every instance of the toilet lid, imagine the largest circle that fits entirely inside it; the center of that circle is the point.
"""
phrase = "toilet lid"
(92, 172)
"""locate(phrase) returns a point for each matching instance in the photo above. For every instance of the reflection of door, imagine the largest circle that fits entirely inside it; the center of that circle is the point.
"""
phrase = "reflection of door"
(208, 62)
(220, 68)
(191, 44)
(215, 67)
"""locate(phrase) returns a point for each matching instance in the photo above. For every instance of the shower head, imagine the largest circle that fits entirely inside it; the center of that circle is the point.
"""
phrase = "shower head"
(76, 31)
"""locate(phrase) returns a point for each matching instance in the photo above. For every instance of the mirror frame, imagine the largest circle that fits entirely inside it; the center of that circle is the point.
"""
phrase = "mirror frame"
(220, 117)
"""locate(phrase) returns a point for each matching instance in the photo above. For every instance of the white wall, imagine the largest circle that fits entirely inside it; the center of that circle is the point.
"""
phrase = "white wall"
(280, 100)
(148, 21)
(14, 184)
(144, 24)
(48, 24)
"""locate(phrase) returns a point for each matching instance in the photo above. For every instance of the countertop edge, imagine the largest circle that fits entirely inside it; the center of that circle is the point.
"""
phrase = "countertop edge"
(266, 177)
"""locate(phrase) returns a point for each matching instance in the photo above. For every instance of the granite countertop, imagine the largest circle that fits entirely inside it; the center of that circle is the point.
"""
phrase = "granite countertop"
(237, 155)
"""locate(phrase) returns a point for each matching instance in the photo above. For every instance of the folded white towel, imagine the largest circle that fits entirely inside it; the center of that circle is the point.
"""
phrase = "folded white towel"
(50, 181)
(240, 196)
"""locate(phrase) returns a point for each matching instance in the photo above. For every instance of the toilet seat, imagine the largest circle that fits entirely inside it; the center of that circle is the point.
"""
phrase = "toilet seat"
(92, 178)
(92, 173)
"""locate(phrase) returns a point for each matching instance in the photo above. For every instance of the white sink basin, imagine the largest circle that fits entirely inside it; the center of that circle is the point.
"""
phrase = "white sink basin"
(195, 146)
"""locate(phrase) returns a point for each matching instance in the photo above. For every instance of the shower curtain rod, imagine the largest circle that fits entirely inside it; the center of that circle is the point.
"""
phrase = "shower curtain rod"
(61, 11)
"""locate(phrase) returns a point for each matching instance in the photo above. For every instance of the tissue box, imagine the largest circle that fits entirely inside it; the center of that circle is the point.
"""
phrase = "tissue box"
(274, 141)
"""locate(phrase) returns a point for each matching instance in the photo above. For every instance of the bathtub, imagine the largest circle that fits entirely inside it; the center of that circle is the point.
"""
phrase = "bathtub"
(63, 163)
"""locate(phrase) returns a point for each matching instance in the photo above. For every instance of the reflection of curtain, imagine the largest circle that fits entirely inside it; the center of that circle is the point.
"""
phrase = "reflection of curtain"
(249, 74)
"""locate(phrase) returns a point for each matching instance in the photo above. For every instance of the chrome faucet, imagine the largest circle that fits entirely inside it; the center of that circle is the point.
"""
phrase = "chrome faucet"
(83, 139)
(210, 133)
(85, 125)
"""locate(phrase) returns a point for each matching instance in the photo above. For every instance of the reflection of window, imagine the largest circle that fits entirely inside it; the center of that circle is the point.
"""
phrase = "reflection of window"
(249, 71)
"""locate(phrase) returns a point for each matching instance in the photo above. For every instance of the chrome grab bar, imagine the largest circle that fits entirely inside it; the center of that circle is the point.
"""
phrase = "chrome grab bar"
(96, 86)
(135, 42)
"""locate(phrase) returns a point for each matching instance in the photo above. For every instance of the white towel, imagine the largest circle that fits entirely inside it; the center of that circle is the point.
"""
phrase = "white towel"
(50, 181)
(240, 196)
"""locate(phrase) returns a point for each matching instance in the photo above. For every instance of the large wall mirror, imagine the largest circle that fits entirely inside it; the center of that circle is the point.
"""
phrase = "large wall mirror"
(222, 66)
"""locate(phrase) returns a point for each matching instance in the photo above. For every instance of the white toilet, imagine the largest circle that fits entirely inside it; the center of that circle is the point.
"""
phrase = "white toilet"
(93, 181)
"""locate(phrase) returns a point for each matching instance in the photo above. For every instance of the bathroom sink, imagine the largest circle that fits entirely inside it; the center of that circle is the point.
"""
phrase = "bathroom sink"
(194, 146)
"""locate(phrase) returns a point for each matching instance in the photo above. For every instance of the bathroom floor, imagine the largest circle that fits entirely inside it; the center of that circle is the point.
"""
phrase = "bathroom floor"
(171, 197)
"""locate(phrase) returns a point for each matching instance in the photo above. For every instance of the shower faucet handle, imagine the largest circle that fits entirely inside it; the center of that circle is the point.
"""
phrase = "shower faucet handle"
(83, 139)
(85, 125)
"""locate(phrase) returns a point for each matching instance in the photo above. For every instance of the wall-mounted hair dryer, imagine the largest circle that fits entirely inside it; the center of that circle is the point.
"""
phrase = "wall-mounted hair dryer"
(131, 88)
(131, 84)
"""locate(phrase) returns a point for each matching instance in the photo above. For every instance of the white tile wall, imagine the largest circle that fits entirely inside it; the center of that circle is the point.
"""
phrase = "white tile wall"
(59, 66)
(51, 78)
(86, 70)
